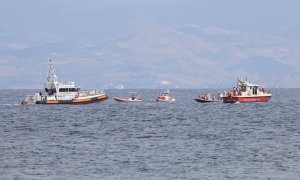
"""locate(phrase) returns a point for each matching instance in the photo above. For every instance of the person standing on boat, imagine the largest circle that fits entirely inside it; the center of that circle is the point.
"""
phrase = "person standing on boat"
(41, 95)
(229, 95)
(132, 97)
(234, 91)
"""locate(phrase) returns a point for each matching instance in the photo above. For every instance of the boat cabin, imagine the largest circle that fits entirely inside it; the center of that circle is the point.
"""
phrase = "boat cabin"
(245, 88)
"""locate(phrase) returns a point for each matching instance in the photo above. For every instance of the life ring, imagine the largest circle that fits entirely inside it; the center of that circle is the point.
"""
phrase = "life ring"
(77, 95)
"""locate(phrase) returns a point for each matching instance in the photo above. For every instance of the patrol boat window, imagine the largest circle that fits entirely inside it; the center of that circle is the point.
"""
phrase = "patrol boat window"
(68, 89)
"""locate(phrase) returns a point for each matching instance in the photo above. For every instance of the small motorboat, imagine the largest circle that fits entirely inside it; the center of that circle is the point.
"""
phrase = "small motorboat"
(165, 97)
(133, 98)
(206, 98)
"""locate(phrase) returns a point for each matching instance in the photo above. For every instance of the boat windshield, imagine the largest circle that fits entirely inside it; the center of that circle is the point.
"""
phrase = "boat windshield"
(243, 89)
(50, 91)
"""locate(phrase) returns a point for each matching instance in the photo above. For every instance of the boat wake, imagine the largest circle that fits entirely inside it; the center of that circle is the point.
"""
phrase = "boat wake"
(9, 104)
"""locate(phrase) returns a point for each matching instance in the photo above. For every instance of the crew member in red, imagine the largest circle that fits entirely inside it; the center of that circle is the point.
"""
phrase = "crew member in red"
(229, 95)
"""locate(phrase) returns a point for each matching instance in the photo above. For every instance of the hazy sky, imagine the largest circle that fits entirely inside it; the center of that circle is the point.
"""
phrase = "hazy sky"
(49, 26)
(249, 15)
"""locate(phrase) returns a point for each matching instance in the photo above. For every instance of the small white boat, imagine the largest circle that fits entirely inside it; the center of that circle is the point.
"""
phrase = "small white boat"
(165, 97)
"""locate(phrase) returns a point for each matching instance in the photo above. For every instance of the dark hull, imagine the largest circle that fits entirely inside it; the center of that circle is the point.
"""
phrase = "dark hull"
(205, 101)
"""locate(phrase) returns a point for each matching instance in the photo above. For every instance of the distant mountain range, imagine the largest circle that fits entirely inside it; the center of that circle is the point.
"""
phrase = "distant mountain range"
(184, 56)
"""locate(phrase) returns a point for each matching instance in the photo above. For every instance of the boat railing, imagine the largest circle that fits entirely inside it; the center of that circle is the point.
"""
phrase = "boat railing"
(91, 92)
(265, 91)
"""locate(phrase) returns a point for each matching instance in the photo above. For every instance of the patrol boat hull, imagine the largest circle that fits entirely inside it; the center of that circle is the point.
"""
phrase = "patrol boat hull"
(86, 100)
(236, 99)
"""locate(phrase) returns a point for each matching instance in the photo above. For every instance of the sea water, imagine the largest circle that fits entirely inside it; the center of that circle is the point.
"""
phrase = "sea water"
(151, 140)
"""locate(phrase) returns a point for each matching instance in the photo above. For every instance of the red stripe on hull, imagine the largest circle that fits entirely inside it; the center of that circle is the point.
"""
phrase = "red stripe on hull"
(246, 99)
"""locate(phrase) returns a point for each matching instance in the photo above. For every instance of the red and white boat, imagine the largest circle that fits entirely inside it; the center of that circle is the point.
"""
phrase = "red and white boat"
(133, 98)
(165, 97)
(246, 92)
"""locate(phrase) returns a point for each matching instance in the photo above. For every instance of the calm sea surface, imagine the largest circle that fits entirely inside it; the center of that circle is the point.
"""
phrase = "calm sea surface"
(150, 140)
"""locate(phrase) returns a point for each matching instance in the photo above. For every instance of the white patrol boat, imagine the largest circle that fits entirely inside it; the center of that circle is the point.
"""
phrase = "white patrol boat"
(58, 93)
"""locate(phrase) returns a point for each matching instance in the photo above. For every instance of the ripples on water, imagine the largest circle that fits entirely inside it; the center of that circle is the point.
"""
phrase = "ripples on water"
(149, 140)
